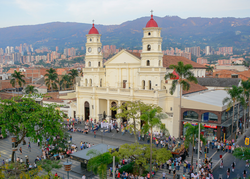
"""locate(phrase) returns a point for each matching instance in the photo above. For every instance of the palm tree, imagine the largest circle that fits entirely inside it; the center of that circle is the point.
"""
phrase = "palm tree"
(73, 74)
(190, 136)
(52, 79)
(152, 119)
(209, 68)
(246, 92)
(17, 78)
(234, 94)
(182, 77)
(65, 82)
(30, 89)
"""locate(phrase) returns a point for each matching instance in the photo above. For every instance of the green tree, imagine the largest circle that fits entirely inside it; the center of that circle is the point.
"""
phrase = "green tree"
(185, 76)
(234, 93)
(51, 79)
(192, 132)
(49, 165)
(246, 93)
(242, 153)
(98, 164)
(65, 82)
(131, 110)
(17, 78)
(152, 119)
(26, 118)
(30, 89)
(140, 155)
(73, 73)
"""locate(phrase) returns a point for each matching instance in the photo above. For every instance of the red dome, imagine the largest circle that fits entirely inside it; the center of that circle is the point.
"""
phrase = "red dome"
(93, 30)
(152, 23)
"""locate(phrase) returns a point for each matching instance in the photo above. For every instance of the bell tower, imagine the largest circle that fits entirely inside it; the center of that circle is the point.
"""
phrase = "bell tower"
(94, 56)
(151, 55)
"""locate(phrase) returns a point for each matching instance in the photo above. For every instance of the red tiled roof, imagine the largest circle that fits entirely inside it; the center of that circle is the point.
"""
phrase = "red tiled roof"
(245, 73)
(173, 60)
(194, 88)
(136, 54)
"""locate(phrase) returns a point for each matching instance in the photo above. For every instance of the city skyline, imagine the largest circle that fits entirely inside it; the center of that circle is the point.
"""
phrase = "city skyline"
(30, 12)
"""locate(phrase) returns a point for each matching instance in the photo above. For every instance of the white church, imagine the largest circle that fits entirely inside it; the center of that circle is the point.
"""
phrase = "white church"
(129, 77)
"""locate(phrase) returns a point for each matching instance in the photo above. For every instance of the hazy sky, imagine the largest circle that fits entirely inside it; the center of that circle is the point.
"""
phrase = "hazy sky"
(26, 12)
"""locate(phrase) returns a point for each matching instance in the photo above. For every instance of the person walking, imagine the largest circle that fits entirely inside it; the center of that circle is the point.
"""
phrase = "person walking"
(163, 175)
(38, 142)
(21, 151)
(94, 133)
(29, 147)
(228, 172)
(233, 166)
(244, 174)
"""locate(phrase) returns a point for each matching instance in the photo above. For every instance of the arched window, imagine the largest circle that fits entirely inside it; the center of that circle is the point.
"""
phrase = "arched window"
(99, 64)
(149, 47)
(143, 84)
(190, 115)
(148, 62)
(86, 82)
(90, 82)
(100, 82)
(149, 85)
(209, 116)
(89, 64)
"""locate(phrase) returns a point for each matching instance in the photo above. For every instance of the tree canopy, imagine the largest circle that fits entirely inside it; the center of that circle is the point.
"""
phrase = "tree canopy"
(140, 154)
(26, 118)
(242, 153)
(98, 164)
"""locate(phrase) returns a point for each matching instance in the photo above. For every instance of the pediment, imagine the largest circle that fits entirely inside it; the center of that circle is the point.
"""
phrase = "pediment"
(123, 57)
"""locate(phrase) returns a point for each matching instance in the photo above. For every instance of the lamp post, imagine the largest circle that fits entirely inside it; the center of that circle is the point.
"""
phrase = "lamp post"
(199, 137)
(67, 167)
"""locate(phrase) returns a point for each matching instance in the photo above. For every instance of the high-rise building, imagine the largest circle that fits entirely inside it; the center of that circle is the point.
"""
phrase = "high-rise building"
(56, 48)
(226, 50)
(208, 50)
(194, 50)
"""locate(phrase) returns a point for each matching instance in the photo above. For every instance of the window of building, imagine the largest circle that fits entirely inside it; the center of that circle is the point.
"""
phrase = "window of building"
(143, 84)
(171, 108)
(209, 116)
(90, 39)
(234, 75)
(124, 83)
(149, 85)
(190, 115)
(100, 82)
(99, 64)
(149, 47)
(90, 82)
(149, 34)
(89, 64)
(86, 82)
(148, 62)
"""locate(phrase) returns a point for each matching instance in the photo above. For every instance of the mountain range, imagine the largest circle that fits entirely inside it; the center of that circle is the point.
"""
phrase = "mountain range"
(176, 32)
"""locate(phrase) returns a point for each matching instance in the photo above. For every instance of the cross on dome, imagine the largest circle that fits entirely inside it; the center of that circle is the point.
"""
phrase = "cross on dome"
(151, 22)
(93, 30)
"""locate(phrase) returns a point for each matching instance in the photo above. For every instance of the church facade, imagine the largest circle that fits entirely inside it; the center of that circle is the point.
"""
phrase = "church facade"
(129, 77)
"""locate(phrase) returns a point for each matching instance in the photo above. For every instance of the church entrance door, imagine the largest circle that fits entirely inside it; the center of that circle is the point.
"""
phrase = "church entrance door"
(113, 113)
(86, 109)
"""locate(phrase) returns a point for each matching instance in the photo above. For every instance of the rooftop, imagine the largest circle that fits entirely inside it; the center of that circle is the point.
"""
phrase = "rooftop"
(214, 98)
(194, 88)
(102, 148)
(173, 60)
(219, 82)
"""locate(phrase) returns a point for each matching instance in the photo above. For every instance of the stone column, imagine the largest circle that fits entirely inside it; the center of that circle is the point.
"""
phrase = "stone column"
(119, 111)
(97, 109)
(108, 108)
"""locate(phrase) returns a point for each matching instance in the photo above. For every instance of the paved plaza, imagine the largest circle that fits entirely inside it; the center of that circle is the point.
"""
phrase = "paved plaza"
(116, 139)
